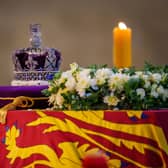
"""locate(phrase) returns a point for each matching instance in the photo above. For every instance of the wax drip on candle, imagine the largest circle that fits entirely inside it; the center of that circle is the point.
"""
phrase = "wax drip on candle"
(122, 26)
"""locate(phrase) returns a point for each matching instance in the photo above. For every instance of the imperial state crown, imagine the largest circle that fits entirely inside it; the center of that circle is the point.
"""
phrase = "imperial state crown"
(35, 63)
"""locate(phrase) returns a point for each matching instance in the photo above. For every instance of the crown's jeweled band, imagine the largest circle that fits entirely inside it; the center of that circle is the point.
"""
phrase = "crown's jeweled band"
(34, 75)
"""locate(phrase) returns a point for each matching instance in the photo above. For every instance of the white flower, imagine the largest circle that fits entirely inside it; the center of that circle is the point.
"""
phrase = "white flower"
(147, 84)
(145, 77)
(84, 73)
(154, 86)
(134, 76)
(74, 66)
(146, 80)
(116, 81)
(93, 83)
(139, 73)
(81, 92)
(140, 92)
(64, 76)
(156, 77)
(70, 83)
(154, 94)
(82, 85)
(160, 90)
(56, 99)
(111, 100)
(102, 75)
(59, 99)
(165, 94)
(52, 98)
(84, 81)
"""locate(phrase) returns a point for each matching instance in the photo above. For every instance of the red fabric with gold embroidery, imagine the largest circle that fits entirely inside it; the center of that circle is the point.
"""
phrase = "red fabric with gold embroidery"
(45, 139)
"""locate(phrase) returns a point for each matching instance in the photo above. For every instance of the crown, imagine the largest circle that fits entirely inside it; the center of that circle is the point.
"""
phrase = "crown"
(35, 62)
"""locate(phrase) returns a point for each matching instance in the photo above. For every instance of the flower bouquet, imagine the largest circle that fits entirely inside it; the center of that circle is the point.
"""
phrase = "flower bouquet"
(101, 88)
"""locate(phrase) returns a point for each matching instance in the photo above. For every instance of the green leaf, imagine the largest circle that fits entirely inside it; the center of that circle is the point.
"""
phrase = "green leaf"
(57, 75)
(45, 92)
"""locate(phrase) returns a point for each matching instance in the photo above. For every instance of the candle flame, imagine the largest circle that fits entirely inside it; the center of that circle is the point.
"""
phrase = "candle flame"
(122, 26)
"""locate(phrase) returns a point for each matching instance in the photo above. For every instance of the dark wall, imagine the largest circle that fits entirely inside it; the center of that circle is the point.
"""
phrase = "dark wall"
(82, 29)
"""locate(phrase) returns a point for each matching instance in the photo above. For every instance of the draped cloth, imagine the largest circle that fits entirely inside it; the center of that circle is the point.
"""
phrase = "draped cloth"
(21, 97)
(61, 139)
(9, 93)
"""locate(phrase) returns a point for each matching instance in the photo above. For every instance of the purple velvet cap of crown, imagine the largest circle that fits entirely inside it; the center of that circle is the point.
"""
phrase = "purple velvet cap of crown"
(36, 59)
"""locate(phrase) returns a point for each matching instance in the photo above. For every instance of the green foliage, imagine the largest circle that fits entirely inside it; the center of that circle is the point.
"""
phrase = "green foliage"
(100, 87)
